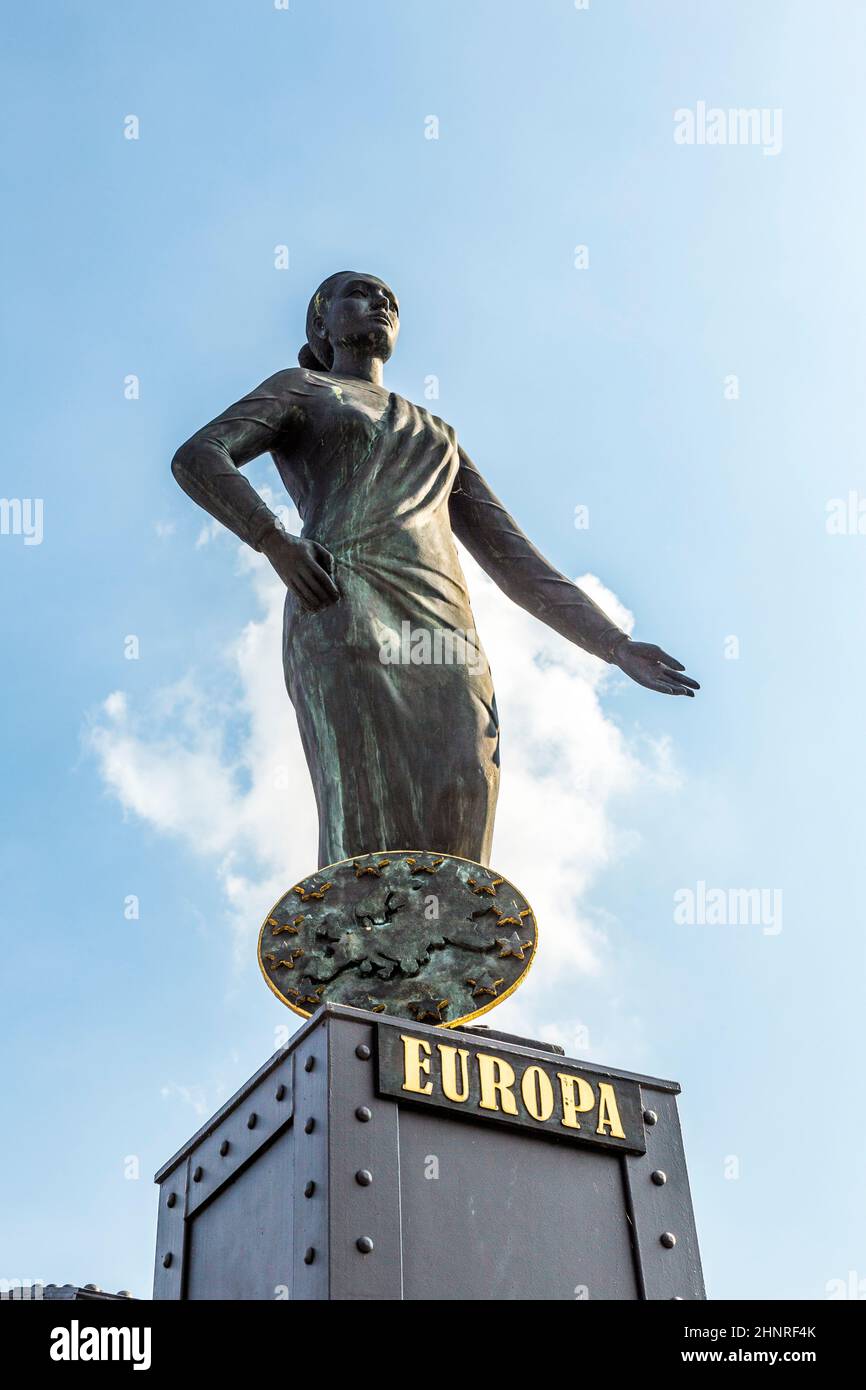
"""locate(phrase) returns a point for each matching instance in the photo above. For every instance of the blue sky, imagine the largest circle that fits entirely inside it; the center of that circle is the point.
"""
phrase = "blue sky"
(603, 387)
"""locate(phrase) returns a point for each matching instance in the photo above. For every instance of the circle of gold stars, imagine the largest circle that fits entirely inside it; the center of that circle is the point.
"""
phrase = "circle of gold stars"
(491, 932)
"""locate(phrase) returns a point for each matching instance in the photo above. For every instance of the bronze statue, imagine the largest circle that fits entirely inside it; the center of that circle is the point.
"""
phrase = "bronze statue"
(403, 753)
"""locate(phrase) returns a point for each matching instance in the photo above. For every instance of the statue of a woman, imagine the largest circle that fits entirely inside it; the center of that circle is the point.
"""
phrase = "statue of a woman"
(404, 754)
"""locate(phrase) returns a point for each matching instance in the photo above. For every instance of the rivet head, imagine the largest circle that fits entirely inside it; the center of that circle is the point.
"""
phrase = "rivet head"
(224, 1148)
(124, 1293)
(363, 1177)
(93, 1288)
(650, 1117)
(363, 1113)
(309, 1255)
(167, 1259)
(309, 1064)
(365, 1245)
(362, 1051)
(171, 1199)
(668, 1239)
(252, 1120)
(280, 1092)
(310, 1125)
(659, 1177)
(198, 1174)
(310, 1188)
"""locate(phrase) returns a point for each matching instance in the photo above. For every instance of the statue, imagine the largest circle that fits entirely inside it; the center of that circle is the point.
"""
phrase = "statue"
(403, 753)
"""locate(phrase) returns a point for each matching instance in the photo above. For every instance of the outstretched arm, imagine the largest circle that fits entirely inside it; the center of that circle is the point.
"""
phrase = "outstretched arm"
(496, 542)
(208, 468)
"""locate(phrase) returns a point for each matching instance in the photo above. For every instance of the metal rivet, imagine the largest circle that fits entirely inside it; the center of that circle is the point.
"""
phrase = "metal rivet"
(309, 1255)
(668, 1239)
(365, 1245)
(198, 1174)
(224, 1148)
(677, 1298)
(166, 1260)
(659, 1178)
(171, 1199)
(310, 1125)
(310, 1188)
(252, 1120)
(279, 1093)
(124, 1293)
(363, 1177)
(309, 1064)
(362, 1051)
(93, 1288)
(363, 1113)
(650, 1117)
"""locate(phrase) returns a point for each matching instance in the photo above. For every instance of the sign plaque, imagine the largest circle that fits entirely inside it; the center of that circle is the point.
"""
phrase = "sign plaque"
(555, 1098)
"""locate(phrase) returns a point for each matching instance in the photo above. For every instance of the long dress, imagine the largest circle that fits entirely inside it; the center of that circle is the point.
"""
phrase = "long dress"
(392, 691)
(403, 754)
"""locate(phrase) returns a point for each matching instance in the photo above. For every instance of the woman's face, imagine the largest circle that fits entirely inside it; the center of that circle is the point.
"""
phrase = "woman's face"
(362, 313)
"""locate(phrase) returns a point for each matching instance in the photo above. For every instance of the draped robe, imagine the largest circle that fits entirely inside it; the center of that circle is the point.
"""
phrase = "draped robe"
(399, 729)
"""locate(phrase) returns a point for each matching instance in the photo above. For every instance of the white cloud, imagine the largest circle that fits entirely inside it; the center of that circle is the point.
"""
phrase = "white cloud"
(209, 532)
(115, 706)
(223, 770)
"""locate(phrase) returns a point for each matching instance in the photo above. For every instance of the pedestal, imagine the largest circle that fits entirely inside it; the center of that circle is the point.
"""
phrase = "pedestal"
(372, 1158)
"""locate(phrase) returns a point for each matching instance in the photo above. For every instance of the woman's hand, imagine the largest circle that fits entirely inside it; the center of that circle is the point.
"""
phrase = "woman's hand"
(650, 666)
(305, 567)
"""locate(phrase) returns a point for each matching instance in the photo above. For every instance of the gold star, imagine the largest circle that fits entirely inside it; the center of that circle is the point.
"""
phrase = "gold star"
(489, 888)
(514, 921)
(425, 868)
(512, 945)
(428, 1006)
(278, 928)
(484, 983)
(287, 961)
(374, 869)
(307, 994)
(315, 895)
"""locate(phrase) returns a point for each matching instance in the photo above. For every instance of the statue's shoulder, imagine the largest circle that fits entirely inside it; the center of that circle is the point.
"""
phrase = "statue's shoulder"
(290, 378)
(294, 384)
(437, 421)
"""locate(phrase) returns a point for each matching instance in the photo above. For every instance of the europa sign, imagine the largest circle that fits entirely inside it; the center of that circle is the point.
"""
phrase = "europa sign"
(546, 1094)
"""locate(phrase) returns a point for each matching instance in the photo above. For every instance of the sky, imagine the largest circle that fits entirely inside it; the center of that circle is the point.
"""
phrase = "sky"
(654, 352)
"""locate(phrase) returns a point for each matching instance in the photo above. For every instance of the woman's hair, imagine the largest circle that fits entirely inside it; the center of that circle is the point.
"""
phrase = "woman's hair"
(309, 356)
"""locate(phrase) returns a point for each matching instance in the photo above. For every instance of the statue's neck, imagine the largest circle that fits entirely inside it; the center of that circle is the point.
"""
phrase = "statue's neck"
(361, 365)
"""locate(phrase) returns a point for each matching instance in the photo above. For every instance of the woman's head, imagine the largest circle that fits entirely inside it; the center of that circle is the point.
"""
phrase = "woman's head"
(350, 310)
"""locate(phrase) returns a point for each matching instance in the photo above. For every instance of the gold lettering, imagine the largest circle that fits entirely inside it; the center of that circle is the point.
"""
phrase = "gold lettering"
(449, 1057)
(416, 1060)
(608, 1111)
(537, 1091)
(496, 1078)
(571, 1106)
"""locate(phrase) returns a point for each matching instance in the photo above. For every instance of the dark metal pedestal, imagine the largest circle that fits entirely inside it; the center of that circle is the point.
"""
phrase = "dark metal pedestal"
(372, 1158)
